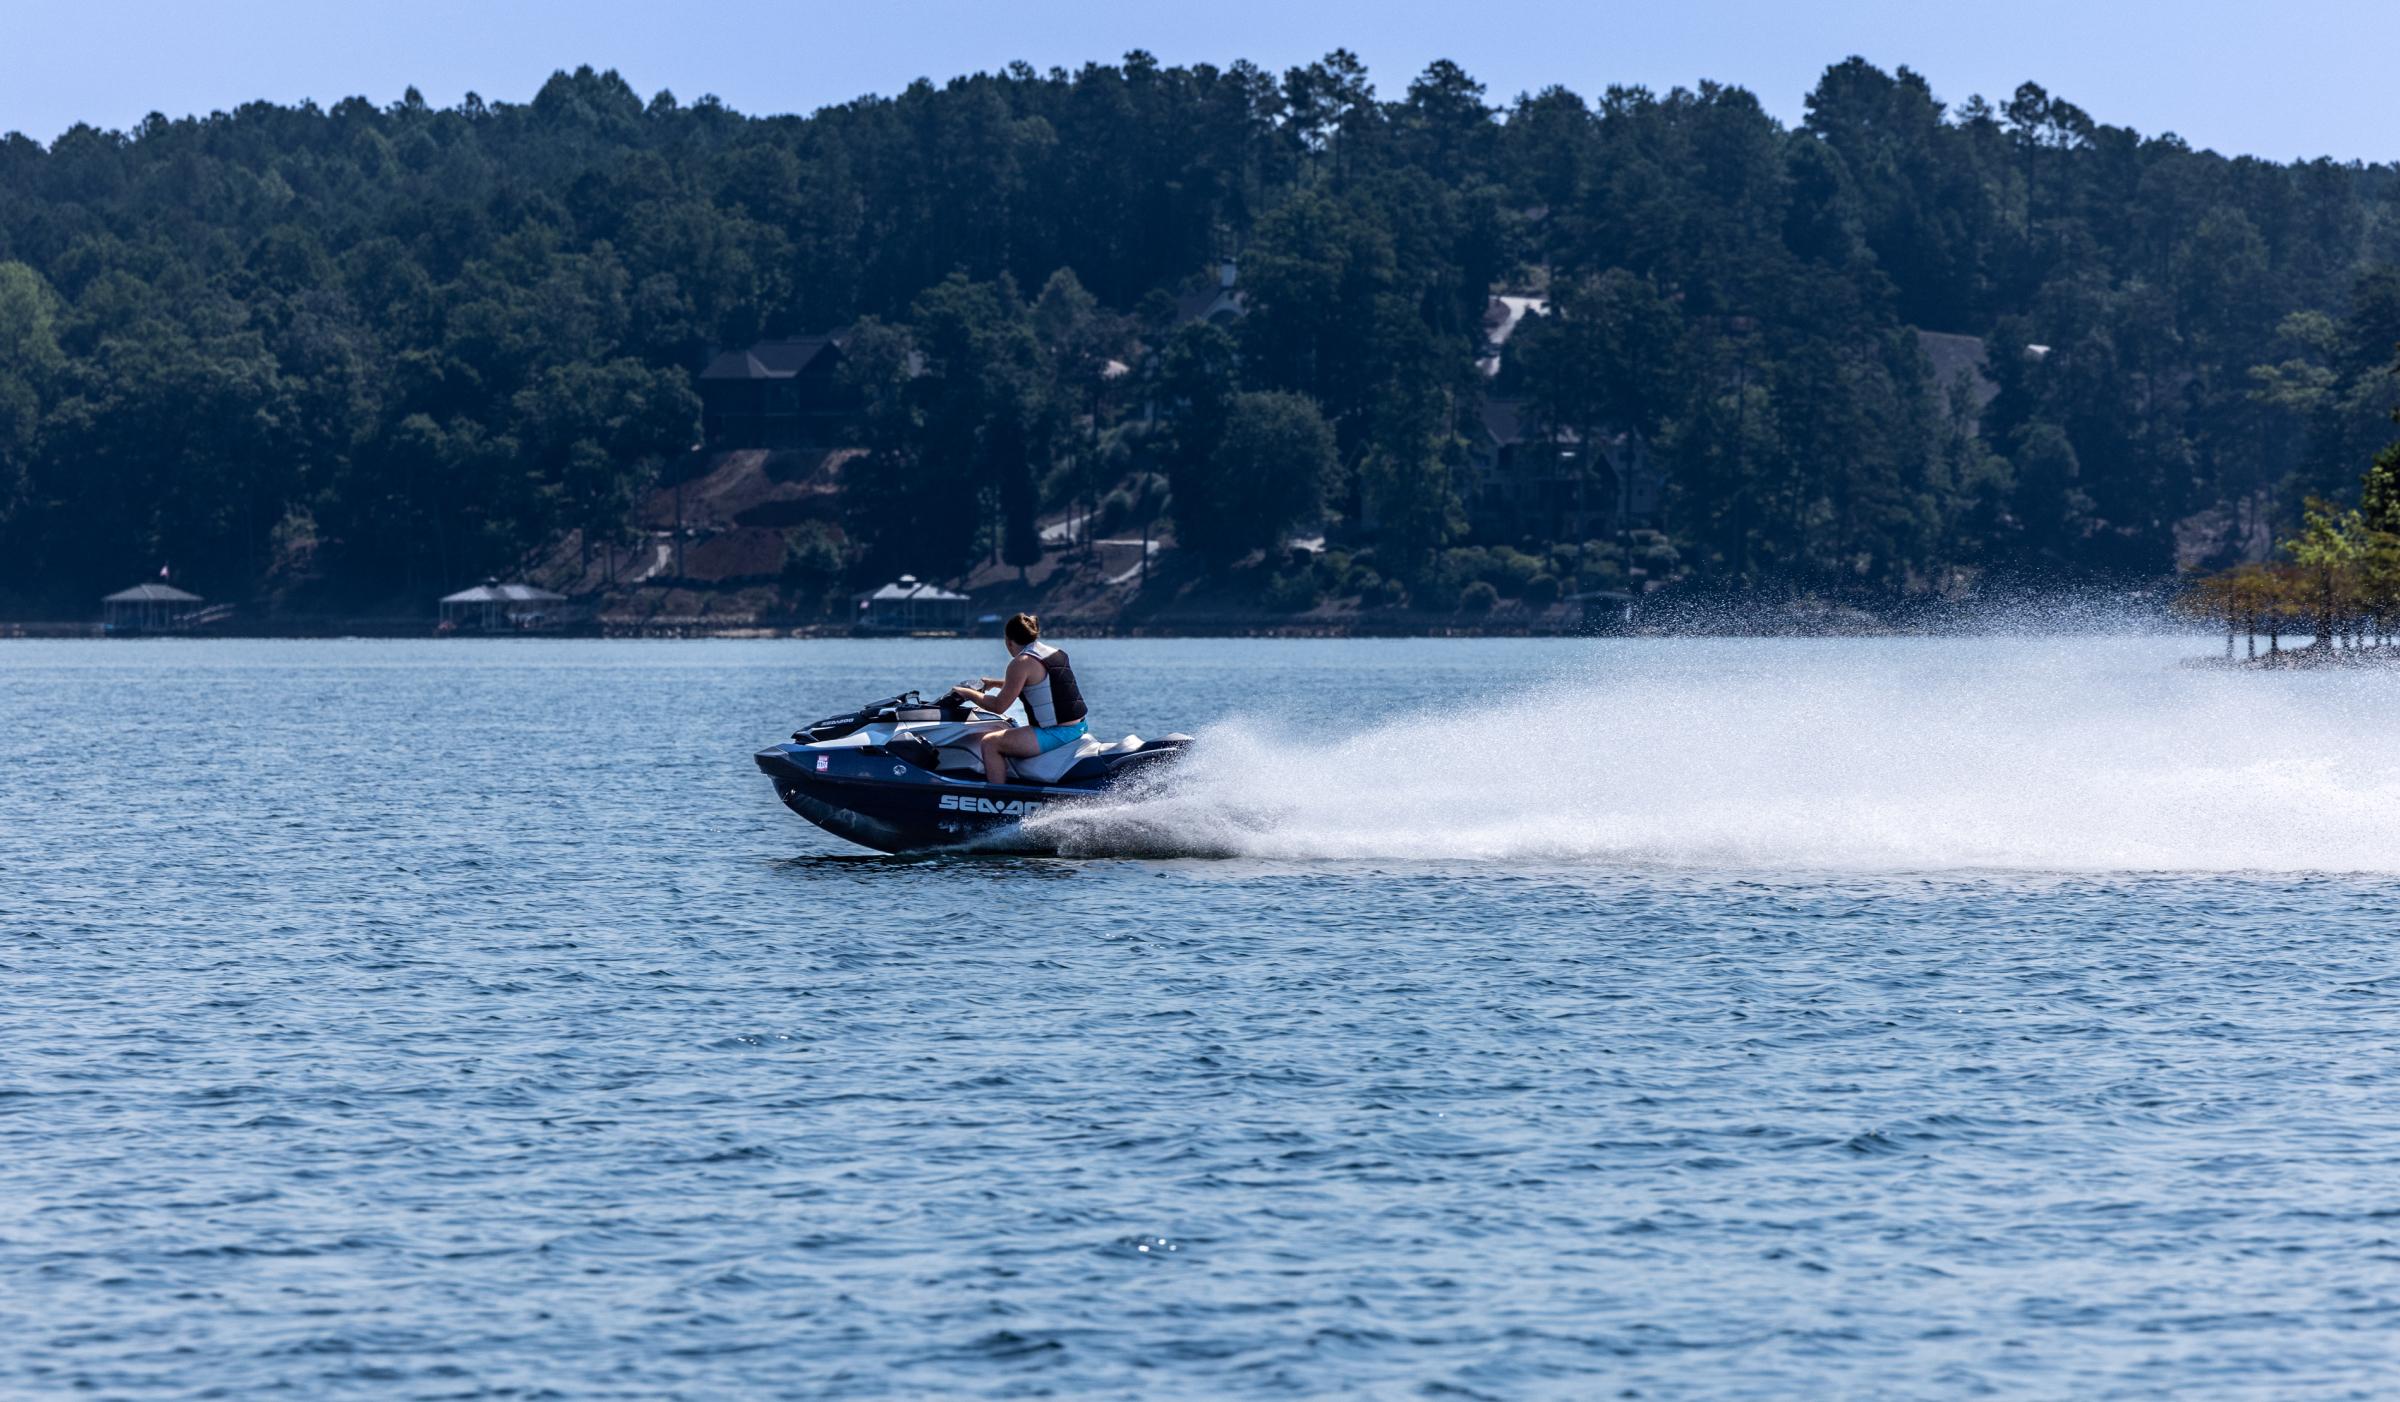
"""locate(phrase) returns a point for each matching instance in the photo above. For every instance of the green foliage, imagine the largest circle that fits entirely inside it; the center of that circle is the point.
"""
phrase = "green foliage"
(1409, 501)
(447, 337)
(1293, 589)
(1479, 597)
(29, 364)
(1008, 458)
(1508, 570)
(1653, 553)
(1267, 473)
(1606, 357)
(955, 417)
(2343, 579)
(812, 557)
(595, 434)
(1198, 375)
(2379, 493)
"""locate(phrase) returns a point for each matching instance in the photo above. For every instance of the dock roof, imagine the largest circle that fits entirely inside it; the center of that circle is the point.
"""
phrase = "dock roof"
(151, 594)
(907, 586)
(495, 593)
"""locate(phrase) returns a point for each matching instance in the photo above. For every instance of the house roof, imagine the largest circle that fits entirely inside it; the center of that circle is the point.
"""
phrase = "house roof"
(151, 594)
(1218, 303)
(494, 593)
(1512, 421)
(1502, 314)
(1504, 420)
(771, 360)
(1954, 357)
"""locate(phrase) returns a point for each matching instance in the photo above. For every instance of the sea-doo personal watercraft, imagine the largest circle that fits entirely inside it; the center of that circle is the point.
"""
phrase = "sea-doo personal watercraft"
(905, 774)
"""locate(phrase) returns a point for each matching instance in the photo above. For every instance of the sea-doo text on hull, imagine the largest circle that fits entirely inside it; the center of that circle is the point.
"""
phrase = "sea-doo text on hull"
(906, 775)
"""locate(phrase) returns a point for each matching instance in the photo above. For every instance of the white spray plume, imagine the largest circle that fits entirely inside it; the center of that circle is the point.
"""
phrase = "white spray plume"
(1889, 755)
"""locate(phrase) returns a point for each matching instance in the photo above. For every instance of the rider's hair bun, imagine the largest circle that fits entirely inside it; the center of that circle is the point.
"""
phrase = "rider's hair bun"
(1024, 628)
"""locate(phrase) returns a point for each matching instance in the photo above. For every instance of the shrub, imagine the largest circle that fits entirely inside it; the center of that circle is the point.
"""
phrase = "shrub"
(1333, 571)
(1654, 554)
(1600, 573)
(1292, 591)
(1459, 566)
(811, 556)
(1511, 570)
(1395, 594)
(1541, 591)
(1478, 597)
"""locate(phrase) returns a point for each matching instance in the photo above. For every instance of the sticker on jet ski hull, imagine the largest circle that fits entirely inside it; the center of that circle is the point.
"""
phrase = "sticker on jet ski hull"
(972, 803)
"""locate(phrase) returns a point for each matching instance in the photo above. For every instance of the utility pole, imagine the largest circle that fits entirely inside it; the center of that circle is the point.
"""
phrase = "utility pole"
(681, 478)
(1624, 471)
(1741, 454)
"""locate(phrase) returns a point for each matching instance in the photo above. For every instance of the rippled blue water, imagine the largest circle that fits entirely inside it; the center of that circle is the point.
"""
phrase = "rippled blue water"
(1771, 1019)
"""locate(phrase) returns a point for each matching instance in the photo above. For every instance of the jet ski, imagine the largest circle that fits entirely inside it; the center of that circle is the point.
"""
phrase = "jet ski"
(905, 774)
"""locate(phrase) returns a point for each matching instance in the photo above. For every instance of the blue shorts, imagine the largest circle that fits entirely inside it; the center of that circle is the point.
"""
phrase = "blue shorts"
(1051, 737)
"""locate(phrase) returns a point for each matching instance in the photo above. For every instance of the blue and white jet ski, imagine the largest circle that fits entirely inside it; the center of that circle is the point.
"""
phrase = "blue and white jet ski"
(905, 774)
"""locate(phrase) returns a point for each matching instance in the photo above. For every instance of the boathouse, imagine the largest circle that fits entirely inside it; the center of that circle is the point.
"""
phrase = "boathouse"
(493, 607)
(907, 605)
(147, 608)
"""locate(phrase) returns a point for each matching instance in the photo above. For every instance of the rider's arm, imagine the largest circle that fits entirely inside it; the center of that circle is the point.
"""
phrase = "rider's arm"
(1021, 673)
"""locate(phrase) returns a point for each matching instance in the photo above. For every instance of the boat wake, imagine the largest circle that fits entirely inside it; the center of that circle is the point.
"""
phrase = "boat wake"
(2073, 760)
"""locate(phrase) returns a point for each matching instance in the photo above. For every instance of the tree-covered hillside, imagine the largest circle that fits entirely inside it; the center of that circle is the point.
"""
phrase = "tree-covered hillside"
(362, 353)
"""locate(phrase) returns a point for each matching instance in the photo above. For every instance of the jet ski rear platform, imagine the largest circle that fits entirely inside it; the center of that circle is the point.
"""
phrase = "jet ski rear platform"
(906, 775)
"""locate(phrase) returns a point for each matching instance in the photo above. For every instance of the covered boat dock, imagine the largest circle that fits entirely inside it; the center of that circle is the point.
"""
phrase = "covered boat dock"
(147, 608)
(493, 607)
(907, 605)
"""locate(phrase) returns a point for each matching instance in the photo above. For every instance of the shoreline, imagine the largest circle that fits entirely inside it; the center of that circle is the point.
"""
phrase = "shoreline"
(2288, 658)
(2309, 657)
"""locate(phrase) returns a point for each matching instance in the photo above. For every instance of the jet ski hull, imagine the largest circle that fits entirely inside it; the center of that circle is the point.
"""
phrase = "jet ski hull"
(869, 797)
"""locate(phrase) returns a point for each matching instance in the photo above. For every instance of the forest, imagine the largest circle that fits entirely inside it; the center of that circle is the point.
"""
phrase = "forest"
(360, 353)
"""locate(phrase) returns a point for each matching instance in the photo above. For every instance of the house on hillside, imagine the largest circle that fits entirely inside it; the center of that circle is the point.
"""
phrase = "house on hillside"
(1525, 483)
(776, 394)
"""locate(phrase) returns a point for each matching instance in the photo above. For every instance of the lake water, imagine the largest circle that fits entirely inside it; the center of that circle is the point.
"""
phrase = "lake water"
(1478, 1019)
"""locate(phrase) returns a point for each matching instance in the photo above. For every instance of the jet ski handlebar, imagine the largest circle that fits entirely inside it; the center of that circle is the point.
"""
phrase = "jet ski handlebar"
(907, 706)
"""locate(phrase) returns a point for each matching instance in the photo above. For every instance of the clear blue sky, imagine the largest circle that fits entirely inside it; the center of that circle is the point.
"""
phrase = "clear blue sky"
(2284, 79)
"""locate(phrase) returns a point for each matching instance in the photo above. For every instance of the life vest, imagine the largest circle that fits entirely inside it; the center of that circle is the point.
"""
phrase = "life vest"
(1055, 699)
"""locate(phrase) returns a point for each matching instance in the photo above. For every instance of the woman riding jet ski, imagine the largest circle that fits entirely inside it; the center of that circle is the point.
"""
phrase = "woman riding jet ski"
(1039, 674)
(909, 775)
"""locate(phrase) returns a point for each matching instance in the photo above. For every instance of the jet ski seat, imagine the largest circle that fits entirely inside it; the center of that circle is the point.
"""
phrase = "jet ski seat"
(1052, 767)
